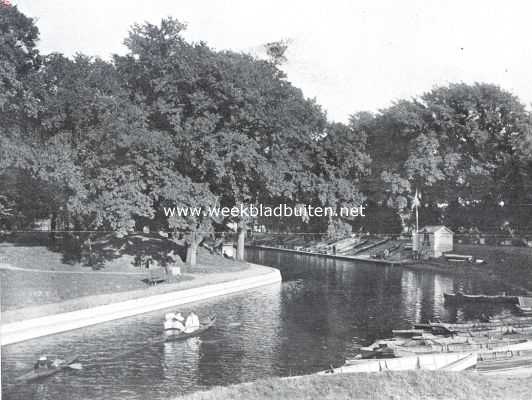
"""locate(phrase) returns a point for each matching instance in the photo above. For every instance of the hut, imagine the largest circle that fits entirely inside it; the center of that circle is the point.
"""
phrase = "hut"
(433, 240)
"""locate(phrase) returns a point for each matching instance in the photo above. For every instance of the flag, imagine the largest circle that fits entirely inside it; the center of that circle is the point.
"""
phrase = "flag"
(417, 200)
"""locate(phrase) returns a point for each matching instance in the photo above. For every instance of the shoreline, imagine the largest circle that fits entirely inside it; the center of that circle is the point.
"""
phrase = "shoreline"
(333, 256)
(49, 319)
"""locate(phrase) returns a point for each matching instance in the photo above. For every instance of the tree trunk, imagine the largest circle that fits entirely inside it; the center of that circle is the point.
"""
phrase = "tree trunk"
(192, 249)
(242, 228)
(53, 227)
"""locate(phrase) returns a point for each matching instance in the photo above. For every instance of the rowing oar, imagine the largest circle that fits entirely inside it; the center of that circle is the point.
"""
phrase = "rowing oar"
(76, 366)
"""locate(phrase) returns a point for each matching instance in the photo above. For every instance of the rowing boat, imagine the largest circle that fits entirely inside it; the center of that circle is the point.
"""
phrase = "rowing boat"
(41, 373)
(475, 345)
(407, 333)
(479, 298)
(172, 335)
(430, 362)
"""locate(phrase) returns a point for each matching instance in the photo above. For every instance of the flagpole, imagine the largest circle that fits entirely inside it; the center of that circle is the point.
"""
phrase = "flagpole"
(417, 220)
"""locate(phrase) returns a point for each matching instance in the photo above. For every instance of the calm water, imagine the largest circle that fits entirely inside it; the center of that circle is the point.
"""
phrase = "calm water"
(320, 315)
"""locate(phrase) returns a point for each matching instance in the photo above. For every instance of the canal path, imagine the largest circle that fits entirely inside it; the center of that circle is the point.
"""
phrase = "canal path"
(321, 314)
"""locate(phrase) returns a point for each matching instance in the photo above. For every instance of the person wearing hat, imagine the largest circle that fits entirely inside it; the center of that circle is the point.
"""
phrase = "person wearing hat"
(192, 323)
(43, 362)
(174, 321)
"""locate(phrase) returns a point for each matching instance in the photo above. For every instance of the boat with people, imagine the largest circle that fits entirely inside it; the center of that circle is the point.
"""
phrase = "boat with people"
(175, 330)
(460, 297)
(47, 366)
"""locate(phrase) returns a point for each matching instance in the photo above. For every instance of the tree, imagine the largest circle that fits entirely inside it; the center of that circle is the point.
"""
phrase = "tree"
(454, 143)
(239, 128)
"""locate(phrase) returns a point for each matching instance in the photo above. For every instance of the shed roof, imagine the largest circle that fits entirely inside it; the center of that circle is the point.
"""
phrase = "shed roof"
(435, 228)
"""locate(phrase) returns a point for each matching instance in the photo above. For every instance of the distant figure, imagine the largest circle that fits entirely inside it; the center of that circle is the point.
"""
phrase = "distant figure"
(43, 362)
(192, 323)
(484, 318)
(334, 249)
(174, 321)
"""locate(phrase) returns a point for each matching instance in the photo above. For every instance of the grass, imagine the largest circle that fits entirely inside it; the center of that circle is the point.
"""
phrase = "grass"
(74, 285)
(383, 386)
(509, 263)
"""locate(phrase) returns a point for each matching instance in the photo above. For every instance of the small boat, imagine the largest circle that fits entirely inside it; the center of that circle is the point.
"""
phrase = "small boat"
(172, 335)
(517, 322)
(408, 333)
(430, 362)
(474, 345)
(44, 372)
(458, 257)
(462, 364)
(512, 364)
(479, 298)
(523, 311)
(380, 349)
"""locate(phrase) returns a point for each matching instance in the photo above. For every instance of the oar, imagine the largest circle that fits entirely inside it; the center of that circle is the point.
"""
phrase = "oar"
(76, 366)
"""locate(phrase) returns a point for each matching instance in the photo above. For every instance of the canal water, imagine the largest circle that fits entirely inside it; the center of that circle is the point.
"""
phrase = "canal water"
(321, 314)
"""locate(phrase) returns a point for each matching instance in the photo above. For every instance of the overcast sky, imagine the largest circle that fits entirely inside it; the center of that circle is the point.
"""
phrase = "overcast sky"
(351, 55)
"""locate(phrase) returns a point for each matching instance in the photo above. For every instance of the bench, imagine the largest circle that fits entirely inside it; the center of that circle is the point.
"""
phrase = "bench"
(156, 275)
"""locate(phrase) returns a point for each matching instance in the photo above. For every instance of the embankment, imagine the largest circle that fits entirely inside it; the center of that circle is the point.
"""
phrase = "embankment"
(434, 385)
(46, 322)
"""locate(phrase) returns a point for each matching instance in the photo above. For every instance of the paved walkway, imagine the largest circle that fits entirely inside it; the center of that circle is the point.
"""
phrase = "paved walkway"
(51, 271)
(198, 279)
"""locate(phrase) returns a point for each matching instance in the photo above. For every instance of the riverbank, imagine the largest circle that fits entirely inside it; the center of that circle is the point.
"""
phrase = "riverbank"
(42, 294)
(87, 313)
(365, 258)
(370, 386)
(509, 265)
(33, 275)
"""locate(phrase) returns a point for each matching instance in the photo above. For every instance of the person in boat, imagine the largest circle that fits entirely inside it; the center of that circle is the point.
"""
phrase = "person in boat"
(43, 362)
(174, 321)
(192, 323)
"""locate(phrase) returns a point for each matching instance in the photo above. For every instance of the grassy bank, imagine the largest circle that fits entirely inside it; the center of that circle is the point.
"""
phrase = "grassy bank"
(383, 386)
(511, 264)
(36, 281)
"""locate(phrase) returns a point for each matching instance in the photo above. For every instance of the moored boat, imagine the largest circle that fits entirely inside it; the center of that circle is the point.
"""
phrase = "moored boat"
(431, 362)
(512, 364)
(479, 298)
(472, 345)
(407, 333)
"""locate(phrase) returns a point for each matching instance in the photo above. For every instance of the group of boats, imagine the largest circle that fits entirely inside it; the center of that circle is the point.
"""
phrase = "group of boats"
(47, 365)
(496, 345)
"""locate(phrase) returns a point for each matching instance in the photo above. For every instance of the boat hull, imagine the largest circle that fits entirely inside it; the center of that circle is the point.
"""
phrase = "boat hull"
(42, 373)
(467, 298)
(431, 362)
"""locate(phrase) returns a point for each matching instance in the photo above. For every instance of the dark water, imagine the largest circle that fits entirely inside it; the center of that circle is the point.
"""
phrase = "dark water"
(321, 314)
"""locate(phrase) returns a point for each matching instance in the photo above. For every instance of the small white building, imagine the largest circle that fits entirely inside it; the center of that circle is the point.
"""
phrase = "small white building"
(228, 249)
(433, 240)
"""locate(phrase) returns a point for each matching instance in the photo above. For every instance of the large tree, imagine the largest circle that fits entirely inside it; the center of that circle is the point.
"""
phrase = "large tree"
(458, 144)
(238, 126)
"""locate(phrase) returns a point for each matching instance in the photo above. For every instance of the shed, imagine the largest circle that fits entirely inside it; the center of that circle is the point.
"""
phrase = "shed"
(433, 240)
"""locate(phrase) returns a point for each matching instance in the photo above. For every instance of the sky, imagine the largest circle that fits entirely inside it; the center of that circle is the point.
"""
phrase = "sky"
(350, 55)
